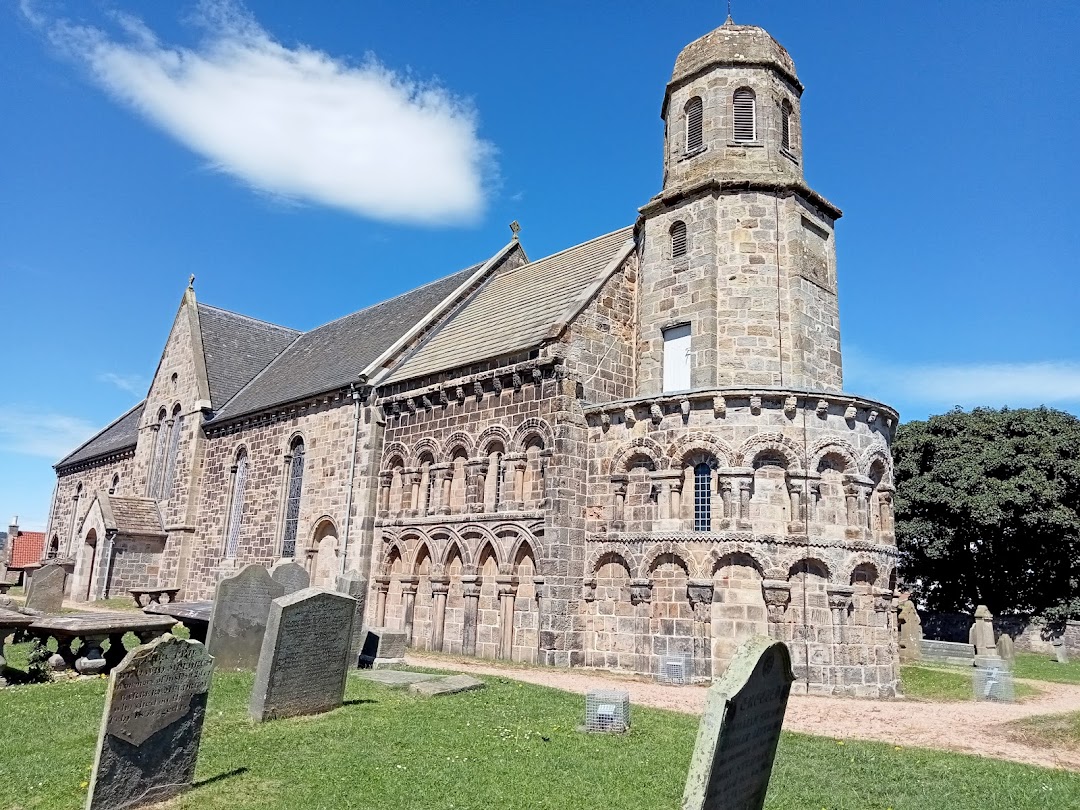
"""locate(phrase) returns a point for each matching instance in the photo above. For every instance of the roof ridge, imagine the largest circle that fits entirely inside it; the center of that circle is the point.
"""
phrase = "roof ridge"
(113, 423)
(566, 250)
(249, 317)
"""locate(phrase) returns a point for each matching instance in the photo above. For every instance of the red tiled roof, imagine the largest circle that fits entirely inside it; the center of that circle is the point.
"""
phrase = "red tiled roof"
(26, 549)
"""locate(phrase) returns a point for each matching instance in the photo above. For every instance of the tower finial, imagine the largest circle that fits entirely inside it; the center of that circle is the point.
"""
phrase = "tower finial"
(191, 282)
(515, 228)
(729, 21)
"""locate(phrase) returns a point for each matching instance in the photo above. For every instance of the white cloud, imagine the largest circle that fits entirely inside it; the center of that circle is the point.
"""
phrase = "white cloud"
(295, 122)
(46, 435)
(132, 383)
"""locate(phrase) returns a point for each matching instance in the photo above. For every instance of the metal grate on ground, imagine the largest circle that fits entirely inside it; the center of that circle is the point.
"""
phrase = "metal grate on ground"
(607, 710)
(675, 669)
(993, 684)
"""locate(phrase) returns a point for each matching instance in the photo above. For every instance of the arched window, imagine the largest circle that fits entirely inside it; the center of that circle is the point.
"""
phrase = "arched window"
(157, 458)
(702, 497)
(114, 487)
(170, 461)
(785, 124)
(494, 477)
(292, 497)
(678, 239)
(236, 512)
(693, 124)
(427, 486)
(744, 115)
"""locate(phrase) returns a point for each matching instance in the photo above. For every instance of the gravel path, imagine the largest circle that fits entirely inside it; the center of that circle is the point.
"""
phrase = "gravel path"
(966, 727)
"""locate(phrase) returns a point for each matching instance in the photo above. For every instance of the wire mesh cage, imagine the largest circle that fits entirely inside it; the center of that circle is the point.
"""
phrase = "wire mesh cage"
(675, 669)
(993, 683)
(607, 710)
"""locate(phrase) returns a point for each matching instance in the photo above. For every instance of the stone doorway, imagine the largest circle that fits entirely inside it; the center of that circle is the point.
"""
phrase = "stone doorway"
(83, 587)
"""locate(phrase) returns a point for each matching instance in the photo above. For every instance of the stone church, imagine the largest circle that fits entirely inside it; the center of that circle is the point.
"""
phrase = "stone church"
(633, 452)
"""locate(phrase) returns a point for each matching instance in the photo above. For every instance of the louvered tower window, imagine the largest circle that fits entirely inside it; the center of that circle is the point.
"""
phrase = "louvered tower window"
(702, 497)
(236, 513)
(678, 240)
(744, 118)
(693, 124)
(292, 498)
(785, 124)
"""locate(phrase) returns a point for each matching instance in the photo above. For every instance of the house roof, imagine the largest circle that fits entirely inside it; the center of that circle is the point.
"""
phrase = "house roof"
(334, 355)
(515, 309)
(117, 435)
(236, 348)
(26, 549)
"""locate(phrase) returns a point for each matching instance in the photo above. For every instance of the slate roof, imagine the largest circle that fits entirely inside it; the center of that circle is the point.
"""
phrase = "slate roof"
(334, 355)
(118, 435)
(138, 516)
(26, 549)
(236, 348)
(515, 309)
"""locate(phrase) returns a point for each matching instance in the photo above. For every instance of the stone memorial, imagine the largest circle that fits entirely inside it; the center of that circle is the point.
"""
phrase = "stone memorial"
(354, 585)
(953, 653)
(305, 656)
(737, 737)
(293, 577)
(238, 618)
(47, 589)
(152, 725)
(982, 635)
(1060, 653)
(383, 647)
(1006, 649)
(911, 634)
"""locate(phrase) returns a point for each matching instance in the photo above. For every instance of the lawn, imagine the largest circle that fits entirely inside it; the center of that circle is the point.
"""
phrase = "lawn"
(1048, 730)
(510, 745)
(927, 683)
(1039, 667)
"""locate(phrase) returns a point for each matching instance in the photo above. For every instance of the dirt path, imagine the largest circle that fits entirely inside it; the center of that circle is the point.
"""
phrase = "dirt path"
(966, 727)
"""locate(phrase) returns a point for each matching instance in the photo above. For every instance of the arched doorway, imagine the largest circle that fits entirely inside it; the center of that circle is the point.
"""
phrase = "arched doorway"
(83, 587)
(322, 555)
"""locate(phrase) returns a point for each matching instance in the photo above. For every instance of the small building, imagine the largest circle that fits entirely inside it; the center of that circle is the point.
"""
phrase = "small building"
(24, 551)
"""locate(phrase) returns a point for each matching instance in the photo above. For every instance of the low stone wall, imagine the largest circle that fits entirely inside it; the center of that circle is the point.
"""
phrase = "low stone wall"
(1029, 635)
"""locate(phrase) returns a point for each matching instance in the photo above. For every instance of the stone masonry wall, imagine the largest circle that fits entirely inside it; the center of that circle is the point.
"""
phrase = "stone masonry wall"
(93, 478)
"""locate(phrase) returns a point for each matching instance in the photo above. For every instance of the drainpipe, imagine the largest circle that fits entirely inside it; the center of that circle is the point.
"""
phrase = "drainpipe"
(357, 396)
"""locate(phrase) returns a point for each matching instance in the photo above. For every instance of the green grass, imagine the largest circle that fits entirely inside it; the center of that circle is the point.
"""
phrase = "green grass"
(486, 749)
(1047, 730)
(1038, 667)
(926, 683)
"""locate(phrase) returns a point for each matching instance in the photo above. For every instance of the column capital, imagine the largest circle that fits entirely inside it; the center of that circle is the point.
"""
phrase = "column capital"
(440, 585)
(699, 592)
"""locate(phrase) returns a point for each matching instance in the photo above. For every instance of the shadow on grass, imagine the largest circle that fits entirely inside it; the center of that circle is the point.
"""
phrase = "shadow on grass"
(359, 702)
(220, 777)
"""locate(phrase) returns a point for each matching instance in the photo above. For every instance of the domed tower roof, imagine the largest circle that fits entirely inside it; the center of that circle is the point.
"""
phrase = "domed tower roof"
(732, 44)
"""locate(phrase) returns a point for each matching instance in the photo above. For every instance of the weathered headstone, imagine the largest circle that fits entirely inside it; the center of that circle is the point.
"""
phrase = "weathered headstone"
(1060, 653)
(305, 657)
(1006, 649)
(911, 634)
(986, 654)
(737, 737)
(292, 577)
(238, 619)
(383, 647)
(354, 585)
(152, 725)
(47, 589)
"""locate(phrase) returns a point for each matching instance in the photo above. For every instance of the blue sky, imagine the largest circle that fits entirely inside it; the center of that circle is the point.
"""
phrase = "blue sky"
(144, 141)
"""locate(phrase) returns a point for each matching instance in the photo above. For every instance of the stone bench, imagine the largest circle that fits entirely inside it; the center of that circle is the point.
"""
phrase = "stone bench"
(153, 595)
(953, 653)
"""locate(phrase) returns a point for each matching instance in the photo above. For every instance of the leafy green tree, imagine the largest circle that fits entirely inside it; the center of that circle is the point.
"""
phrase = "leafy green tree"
(988, 510)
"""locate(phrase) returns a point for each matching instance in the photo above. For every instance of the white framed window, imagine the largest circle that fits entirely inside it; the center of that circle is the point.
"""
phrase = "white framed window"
(744, 115)
(677, 358)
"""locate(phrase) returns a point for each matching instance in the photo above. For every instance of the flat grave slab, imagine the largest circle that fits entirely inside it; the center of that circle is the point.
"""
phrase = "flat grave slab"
(451, 685)
(94, 629)
(195, 616)
(954, 653)
(396, 678)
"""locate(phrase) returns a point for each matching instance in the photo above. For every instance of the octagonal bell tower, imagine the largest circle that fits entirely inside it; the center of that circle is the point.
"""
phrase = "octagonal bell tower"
(738, 263)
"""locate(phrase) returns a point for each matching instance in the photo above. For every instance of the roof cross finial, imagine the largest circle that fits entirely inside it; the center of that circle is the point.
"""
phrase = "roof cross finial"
(191, 282)
(515, 228)
(729, 21)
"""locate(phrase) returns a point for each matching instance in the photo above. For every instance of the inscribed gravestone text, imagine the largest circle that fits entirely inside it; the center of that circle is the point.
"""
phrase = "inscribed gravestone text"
(238, 619)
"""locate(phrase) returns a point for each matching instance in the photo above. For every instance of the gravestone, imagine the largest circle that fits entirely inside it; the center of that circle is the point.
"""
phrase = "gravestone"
(737, 737)
(982, 634)
(383, 647)
(911, 634)
(47, 589)
(152, 725)
(305, 656)
(354, 585)
(292, 577)
(238, 618)
(1060, 653)
(1005, 648)
(954, 653)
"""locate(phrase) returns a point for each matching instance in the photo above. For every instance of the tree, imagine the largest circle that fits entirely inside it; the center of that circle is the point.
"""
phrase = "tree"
(988, 510)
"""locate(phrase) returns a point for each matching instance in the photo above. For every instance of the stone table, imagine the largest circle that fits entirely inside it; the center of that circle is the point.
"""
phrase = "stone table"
(10, 621)
(195, 616)
(93, 629)
(153, 595)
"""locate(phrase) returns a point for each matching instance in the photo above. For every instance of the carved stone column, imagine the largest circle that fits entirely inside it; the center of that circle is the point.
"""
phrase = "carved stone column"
(509, 497)
(518, 465)
(619, 484)
(839, 603)
(475, 484)
(744, 502)
(408, 596)
(795, 493)
(382, 585)
(726, 498)
(777, 594)
(508, 588)
(812, 502)
(446, 482)
(882, 607)
(885, 507)
(640, 598)
(470, 588)
(700, 594)
(410, 492)
(440, 586)
(386, 478)
(670, 483)
(852, 499)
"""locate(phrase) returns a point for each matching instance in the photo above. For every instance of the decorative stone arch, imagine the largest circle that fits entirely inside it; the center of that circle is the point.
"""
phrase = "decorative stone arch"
(730, 548)
(296, 434)
(805, 561)
(454, 542)
(522, 542)
(641, 447)
(458, 439)
(533, 427)
(493, 433)
(698, 442)
(677, 550)
(774, 442)
(422, 446)
(422, 552)
(877, 452)
(392, 550)
(834, 447)
(322, 552)
(481, 553)
(863, 562)
(609, 552)
(394, 450)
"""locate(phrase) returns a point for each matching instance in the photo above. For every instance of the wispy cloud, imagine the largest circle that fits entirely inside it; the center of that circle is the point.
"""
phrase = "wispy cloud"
(132, 383)
(294, 122)
(45, 435)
